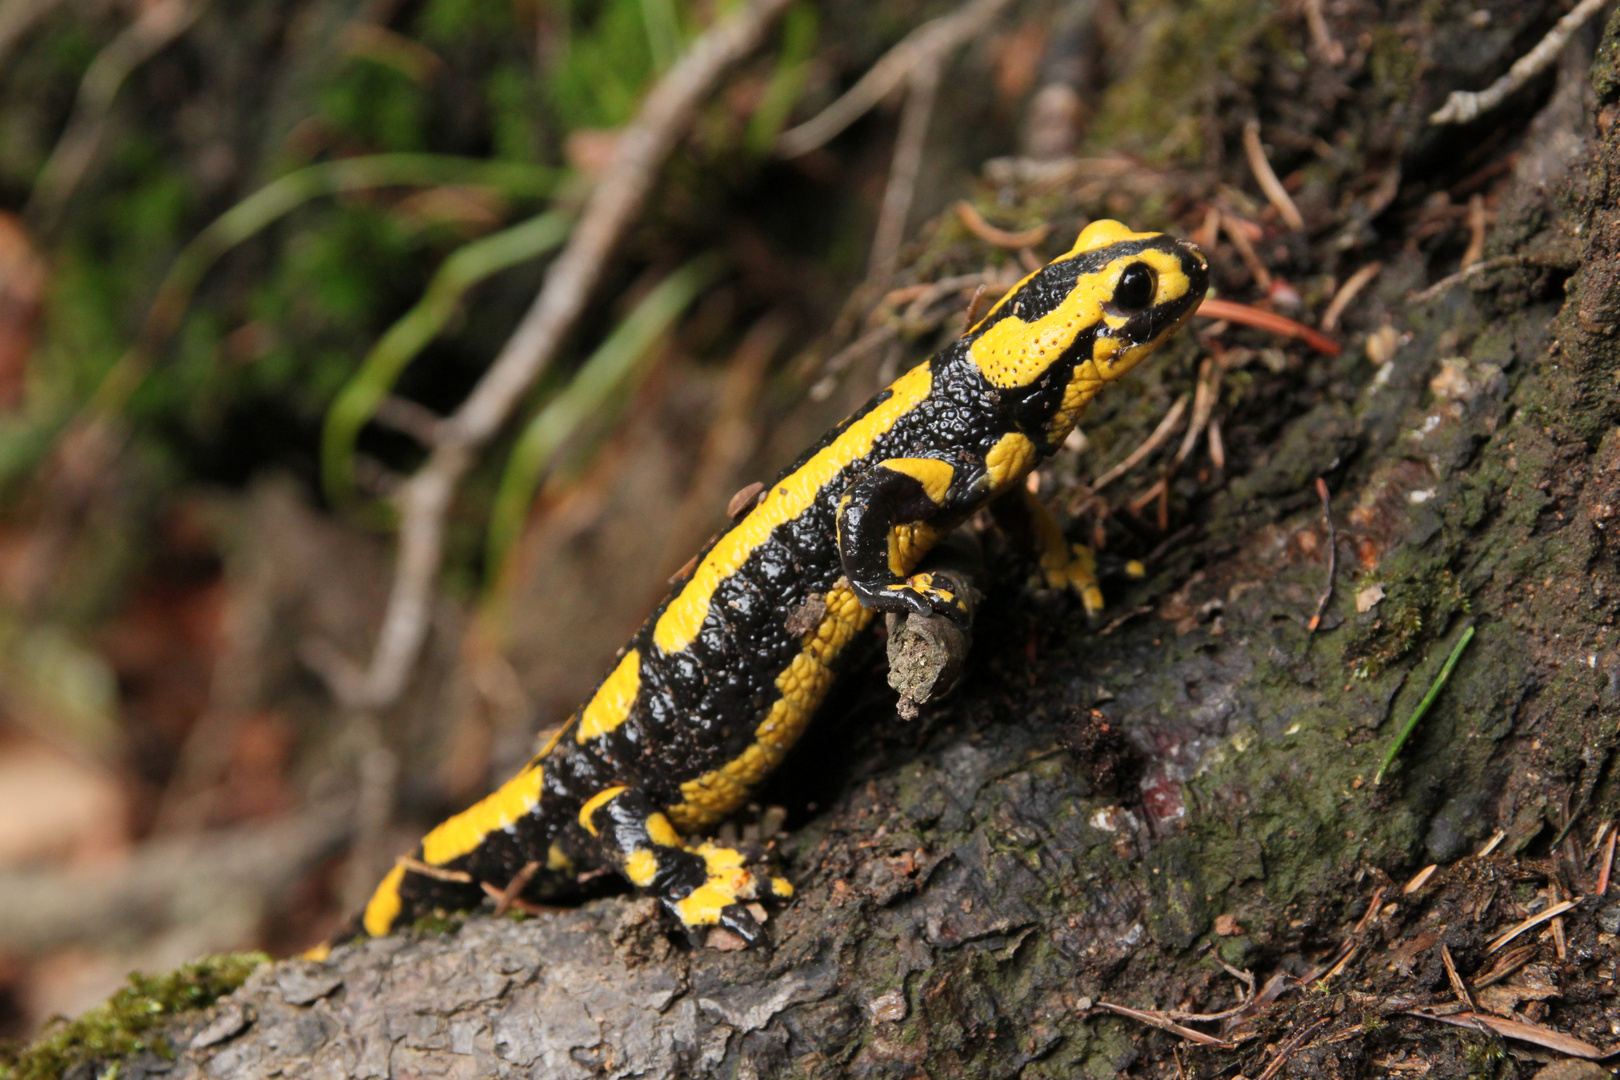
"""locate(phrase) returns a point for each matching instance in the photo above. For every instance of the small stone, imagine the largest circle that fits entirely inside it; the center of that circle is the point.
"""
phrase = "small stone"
(722, 940)
(232, 1020)
(1609, 919)
(1226, 925)
(303, 984)
(887, 1007)
(1368, 598)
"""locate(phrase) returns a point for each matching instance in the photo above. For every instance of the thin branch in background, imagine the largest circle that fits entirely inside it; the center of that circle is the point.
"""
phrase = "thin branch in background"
(1322, 40)
(1160, 436)
(424, 499)
(1476, 231)
(1234, 230)
(1464, 105)
(359, 401)
(974, 221)
(1267, 179)
(933, 40)
(1347, 292)
(615, 366)
(17, 17)
(1501, 262)
(158, 25)
(922, 88)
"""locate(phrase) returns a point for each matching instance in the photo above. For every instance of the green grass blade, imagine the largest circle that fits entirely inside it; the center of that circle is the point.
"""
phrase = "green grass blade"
(617, 365)
(787, 80)
(1423, 706)
(277, 199)
(357, 402)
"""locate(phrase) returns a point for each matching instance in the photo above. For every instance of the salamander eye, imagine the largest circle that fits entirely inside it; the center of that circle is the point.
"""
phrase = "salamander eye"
(1135, 289)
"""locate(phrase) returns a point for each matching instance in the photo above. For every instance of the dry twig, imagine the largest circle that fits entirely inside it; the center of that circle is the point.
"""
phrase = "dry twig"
(1288, 1048)
(975, 223)
(1531, 923)
(1322, 39)
(505, 898)
(158, 24)
(1501, 262)
(1276, 194)
(425, 498)
(1419, 879)
(1476, 231)
(1608, 862)
(1348, 292)
(931, 41)
(1464, 105)
(1332, 556)
(922, 91)
(1160, 436)
(1205, 394)
(1530, 1033)
(1457, 985)
(1163, 1022)
(1245, 249)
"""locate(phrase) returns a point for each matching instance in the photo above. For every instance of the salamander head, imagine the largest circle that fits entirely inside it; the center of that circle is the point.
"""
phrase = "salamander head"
(1085, 319)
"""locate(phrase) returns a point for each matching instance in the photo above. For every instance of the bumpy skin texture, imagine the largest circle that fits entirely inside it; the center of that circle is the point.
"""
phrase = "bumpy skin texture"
(715, 688)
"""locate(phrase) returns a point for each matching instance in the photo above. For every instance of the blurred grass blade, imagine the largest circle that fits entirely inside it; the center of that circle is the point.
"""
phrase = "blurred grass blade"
(277, 199)
(787, 80)
(664, 37)
(358, 401)
(617, 365)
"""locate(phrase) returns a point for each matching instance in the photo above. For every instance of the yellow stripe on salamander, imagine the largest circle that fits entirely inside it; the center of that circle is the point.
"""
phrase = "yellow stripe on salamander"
(934, 476)
(459, 835)
(708, 798)
(610, 705)
(385, 904)
(594, 803)
(641, 866)
(1015, 353)
(1009, 461)
(788, 498)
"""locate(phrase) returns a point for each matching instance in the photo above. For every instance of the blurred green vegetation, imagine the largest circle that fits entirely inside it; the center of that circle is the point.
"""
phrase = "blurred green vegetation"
(215, 267)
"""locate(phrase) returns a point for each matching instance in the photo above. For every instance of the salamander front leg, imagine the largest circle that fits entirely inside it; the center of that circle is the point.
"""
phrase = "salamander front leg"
(884, 530)
(704, 884)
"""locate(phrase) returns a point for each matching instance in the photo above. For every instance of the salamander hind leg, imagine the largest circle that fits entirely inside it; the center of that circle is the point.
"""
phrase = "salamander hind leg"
(703, 884)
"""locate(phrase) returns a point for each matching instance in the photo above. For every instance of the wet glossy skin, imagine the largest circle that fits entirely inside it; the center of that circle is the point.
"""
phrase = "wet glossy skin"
(722, 678)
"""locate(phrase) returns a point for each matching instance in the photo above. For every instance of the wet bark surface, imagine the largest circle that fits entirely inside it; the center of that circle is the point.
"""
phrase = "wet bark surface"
(1149, 813)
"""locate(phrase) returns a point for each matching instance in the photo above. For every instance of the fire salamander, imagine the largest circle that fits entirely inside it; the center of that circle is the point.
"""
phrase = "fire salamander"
(715, 687)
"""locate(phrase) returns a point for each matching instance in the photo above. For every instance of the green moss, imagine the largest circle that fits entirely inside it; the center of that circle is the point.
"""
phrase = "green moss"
(1393, 61)
(1606, 68)
(439, 922)
(131, 1020)
(1413, 610)
(1154, 108)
